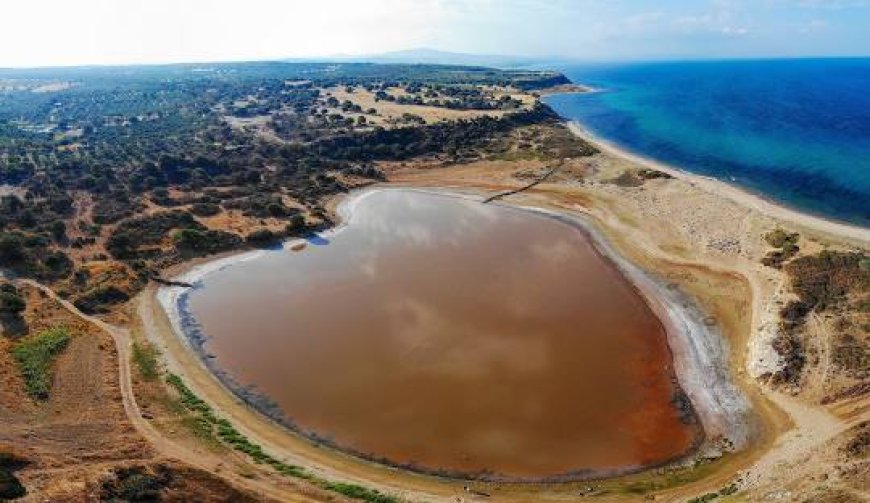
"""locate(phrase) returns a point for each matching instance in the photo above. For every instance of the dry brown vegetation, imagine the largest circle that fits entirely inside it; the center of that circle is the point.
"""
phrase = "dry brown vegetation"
(166, 482)
(81, 425)
(832, 288)
(76, 443)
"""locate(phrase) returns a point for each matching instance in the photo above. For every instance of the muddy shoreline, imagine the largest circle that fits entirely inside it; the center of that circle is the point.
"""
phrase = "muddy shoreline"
(696, 348)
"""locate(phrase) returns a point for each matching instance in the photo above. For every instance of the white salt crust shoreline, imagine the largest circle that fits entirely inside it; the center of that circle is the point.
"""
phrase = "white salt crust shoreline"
(700, 354)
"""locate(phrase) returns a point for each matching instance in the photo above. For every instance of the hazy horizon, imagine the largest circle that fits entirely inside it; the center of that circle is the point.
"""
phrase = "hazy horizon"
(103, 32)
(528, 62)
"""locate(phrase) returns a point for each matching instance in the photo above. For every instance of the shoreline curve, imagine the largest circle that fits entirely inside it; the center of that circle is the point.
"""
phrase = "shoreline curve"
(699, 353)
(734, 193)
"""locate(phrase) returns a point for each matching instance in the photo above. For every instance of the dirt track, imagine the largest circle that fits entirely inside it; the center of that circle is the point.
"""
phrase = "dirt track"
(167, 448)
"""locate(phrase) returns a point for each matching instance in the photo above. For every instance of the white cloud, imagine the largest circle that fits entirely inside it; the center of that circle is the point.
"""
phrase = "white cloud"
(814, 26)
(832, 4)
(105, 31)
(43, 32)
(734, 30)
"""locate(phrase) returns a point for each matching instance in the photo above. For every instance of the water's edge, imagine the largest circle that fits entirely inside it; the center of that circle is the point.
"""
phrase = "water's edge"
(731, 191)
(699, 352)
(745, 192)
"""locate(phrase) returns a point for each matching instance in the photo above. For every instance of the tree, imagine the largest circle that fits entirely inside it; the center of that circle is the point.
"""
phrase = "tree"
(296, 225)
(261, 237)
(11, 249)
(11, 303)
(58, 230)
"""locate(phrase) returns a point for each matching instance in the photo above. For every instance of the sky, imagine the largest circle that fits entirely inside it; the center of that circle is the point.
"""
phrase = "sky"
(77, 32)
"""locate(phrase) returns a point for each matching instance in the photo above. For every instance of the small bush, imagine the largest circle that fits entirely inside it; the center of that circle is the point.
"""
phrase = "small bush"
(296, 226)
(826, 279)
(358, 492)
(205, 242)
(205, 209)
(725, 491)
(34, 356)
(136, 484)
(728, 490)
(704, 498)
(627, 179)
(10, 487)
(779, 238)
(208, 422)
(261, 237)
(98, 299)
(145, 357)
(11, 302)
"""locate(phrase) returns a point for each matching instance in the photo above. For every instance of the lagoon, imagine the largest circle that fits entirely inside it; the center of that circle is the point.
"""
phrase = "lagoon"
(449, 336)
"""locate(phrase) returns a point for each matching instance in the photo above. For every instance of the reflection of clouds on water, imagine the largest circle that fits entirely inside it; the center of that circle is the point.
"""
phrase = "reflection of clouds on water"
(397, 231)
(554, 252)
(421, 220)
(416, 324)
(433, 325)
(435, 342)
(397, 220)
(368, 264)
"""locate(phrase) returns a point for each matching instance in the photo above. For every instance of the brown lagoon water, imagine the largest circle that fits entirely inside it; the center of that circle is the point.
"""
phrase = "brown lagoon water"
(453, 335)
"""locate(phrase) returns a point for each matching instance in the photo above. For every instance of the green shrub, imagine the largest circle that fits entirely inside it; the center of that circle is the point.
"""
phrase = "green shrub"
(11, 303)
(204, 242)
(261, 237)
(98, 299)
(825, 280)
(35, 355)
(208, 421)
(205, 209)
(358, 492)
(296, 226)
(728, 490)
(145, 357)
(136, 484)
(704, 498)
(779, 238)
(725, 491)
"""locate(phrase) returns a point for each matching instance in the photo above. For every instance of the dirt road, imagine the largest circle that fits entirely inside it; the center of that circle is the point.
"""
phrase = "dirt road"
(167, 448)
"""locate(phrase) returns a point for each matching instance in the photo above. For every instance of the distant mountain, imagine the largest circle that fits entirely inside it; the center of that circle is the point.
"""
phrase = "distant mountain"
(436, 57)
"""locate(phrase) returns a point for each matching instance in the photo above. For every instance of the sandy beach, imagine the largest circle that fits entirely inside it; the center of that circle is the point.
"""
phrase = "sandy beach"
(733, 192)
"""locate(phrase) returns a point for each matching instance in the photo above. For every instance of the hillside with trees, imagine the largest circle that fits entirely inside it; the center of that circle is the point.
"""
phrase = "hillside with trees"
(118, 173)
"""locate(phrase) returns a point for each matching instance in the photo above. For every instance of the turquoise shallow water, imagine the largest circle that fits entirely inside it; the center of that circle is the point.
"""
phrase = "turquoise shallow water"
(794, 131)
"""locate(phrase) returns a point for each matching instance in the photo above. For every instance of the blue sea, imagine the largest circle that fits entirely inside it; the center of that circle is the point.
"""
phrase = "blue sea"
(794, 131)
